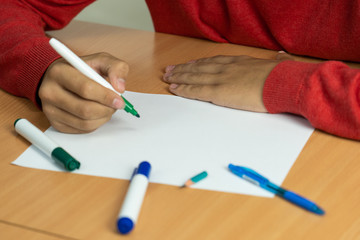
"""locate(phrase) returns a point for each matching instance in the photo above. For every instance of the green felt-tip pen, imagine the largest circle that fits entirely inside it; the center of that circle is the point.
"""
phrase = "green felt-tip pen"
(130, 108)
(45, 144)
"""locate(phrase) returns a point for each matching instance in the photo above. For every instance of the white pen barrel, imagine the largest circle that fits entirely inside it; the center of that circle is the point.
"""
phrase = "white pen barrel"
(35, 136)
(134, 197)
(79, 64)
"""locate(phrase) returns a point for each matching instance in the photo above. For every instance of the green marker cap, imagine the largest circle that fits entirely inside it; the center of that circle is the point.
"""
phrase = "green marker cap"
(62, 156)
(130, 108)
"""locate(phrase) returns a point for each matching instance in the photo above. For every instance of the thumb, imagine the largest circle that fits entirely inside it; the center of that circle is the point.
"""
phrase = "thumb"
(282, 56)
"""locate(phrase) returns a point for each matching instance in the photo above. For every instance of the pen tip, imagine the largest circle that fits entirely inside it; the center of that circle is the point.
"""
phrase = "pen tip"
(137, 115)
(319, 211)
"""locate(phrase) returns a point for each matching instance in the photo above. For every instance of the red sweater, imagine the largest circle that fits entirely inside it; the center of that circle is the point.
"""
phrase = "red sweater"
(327, 94)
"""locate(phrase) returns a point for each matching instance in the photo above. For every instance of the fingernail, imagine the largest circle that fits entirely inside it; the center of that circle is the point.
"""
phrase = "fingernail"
(169, 68)
(281, 51)
(118, 104)
(173, 86)
(167, 75)
(119, 83)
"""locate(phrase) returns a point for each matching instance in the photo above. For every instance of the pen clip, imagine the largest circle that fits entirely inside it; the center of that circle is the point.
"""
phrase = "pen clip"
(249, 175)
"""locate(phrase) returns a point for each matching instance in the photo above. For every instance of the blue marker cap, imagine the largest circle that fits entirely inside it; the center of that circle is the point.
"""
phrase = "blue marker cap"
(144, 169)
(125, 225)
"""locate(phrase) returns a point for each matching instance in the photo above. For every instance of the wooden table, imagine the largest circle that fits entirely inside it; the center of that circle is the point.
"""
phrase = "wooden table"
(58, 205)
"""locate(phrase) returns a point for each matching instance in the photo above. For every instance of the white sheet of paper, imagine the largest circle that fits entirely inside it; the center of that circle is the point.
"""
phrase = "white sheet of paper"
(181, 138)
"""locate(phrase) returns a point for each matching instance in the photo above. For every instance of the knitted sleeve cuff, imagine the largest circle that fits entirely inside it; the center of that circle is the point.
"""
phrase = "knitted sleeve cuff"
(36, 61)
(283, 86)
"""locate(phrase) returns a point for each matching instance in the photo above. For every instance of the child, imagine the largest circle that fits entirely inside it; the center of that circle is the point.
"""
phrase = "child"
(327, 94)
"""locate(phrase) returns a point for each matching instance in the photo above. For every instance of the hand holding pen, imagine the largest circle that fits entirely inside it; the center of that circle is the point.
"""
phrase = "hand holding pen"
(73, 103)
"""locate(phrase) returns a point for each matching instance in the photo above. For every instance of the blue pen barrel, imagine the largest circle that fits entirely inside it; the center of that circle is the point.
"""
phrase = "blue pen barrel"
(254, 177)
(302, 202)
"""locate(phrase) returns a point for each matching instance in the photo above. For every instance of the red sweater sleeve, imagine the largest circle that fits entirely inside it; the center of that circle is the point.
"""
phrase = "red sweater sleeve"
(327, 94)
(24, 50)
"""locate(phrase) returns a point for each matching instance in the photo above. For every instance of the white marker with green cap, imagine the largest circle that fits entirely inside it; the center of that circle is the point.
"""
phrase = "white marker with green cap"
(45, 144)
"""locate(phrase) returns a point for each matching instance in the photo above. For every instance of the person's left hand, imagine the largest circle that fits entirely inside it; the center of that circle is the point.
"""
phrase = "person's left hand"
(230, 81)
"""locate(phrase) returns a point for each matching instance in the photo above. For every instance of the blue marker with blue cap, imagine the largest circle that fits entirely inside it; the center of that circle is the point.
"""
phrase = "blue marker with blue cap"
(255, 178)
(134, 197)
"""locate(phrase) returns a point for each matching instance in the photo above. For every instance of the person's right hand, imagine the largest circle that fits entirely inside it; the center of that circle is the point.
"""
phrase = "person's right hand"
(74, 103)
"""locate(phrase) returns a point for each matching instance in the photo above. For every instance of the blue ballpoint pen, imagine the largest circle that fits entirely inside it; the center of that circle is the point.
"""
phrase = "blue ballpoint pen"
(255, 178)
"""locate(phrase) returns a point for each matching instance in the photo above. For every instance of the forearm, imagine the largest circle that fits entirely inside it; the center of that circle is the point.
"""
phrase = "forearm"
(327, 94)
(24, 50)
